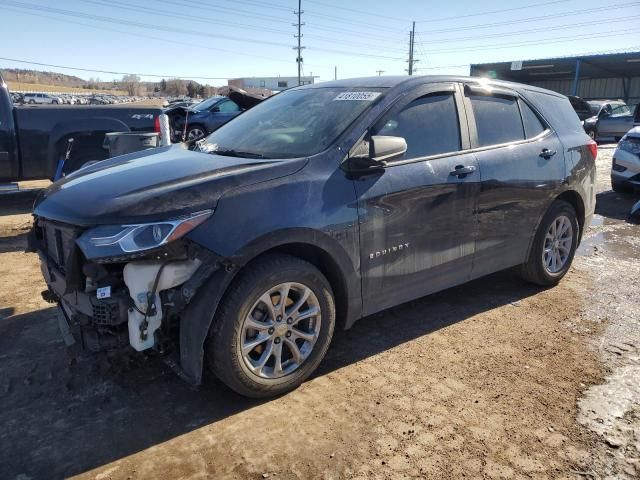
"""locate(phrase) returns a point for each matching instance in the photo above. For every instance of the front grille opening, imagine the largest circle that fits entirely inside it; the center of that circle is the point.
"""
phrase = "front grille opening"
(106, 313)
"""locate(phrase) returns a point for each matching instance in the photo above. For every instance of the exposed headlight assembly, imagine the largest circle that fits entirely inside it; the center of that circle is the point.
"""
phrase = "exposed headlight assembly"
(117, 240)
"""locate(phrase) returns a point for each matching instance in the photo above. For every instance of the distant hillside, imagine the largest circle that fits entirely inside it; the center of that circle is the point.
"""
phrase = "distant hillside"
(34, 80)
(44, 78)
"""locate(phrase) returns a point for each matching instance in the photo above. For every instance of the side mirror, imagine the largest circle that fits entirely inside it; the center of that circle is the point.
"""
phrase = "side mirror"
(215, 109)
(385, 148)
(373, 154)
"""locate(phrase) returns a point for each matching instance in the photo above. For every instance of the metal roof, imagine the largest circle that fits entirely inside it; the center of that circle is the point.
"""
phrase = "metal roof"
(611, 65)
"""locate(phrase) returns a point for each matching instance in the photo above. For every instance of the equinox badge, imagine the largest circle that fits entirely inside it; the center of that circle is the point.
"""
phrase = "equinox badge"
(387, 251)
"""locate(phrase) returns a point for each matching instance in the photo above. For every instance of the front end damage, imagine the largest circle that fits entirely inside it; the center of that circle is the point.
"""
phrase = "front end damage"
(114, 304)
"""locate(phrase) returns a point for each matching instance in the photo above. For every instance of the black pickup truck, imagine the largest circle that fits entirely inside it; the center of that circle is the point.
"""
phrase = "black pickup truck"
(33, 139)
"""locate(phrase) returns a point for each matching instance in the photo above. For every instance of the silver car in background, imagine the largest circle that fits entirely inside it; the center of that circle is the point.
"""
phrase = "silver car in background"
(42, 99)
(610, 121)
(625, 167)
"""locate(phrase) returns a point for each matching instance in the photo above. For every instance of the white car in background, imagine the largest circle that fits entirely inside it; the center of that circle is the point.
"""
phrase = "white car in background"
(625, 167)
(42, 99)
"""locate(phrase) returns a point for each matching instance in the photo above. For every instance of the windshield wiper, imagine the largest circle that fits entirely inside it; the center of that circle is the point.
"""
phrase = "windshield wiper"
(229, 152)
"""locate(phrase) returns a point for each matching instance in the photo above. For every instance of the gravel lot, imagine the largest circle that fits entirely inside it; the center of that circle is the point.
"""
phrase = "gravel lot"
(492, 379)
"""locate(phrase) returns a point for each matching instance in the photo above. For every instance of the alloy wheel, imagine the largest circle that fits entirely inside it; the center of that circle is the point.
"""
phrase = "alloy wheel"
(557, 245)
(195, 133)
(281, 330)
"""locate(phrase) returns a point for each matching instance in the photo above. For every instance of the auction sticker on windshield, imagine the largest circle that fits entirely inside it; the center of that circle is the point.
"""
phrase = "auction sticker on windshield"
(362, 96)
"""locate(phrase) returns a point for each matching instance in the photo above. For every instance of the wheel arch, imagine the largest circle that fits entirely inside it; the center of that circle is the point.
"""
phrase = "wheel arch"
(311, 246)
(326, 264)
(575, 200)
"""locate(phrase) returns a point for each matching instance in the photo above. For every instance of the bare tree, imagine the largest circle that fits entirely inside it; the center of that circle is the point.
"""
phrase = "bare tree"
(131, 83)
(176, 87)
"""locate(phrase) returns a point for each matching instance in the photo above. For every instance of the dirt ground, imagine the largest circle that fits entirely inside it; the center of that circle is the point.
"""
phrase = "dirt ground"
(492, 379)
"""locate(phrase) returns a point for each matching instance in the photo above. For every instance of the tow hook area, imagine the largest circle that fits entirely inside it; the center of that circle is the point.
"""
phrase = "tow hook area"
(145, 281)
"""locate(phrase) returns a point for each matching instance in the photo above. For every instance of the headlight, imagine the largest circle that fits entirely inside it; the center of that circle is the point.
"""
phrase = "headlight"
(630, 144)
(118, 240)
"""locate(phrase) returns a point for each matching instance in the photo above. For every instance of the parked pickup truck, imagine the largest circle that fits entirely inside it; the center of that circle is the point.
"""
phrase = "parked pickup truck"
(34, 139)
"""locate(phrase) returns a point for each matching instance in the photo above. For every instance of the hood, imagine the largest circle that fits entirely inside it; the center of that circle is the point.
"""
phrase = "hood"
(151, 185)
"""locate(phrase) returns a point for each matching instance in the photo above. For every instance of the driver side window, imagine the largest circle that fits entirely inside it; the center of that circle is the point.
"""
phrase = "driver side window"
(428, 124)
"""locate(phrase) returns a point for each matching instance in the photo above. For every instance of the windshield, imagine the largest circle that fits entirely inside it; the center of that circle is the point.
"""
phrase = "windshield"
(620, 109)
(206, 104)
(294, 123)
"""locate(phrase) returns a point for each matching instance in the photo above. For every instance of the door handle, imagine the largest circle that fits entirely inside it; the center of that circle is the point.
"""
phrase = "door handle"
(462, 170)
(547, 154)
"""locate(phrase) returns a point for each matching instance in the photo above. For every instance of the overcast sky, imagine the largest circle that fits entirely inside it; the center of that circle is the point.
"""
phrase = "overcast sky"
(236, 38)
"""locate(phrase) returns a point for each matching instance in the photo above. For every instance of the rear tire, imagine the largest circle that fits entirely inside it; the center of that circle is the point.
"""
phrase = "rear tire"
(264, 368)
(553, 247)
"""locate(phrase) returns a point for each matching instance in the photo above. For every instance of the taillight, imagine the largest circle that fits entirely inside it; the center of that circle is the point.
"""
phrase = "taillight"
(593, 148)
(156, 124)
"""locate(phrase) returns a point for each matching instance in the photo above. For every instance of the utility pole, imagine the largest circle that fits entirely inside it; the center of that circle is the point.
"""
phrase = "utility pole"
(379, 72)
(299, 48)
(412, 37)
(335, 72)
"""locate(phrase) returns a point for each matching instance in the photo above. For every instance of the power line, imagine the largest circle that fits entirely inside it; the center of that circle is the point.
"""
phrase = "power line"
(492, 12)
(65, 67)
(359, 12)
(522, 32)
(341, 19)
(212, 20)
(584, 54)
(151, 37)
(159, 12)
(534, 42)
(235, 11)
(102, 18)
(532, 19)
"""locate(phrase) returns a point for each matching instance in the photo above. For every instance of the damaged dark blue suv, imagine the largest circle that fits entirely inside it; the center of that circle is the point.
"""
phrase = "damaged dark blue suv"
(319, 206)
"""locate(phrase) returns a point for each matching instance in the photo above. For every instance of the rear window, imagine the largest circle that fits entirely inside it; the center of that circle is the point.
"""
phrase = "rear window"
(497, 119)
(557, 110)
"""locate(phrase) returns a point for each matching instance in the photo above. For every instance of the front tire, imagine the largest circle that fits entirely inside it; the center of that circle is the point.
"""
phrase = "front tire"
(261, 345)
(196, 132)
(554, 246)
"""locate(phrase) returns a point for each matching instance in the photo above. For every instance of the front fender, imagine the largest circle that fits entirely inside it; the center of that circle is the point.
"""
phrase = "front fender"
(198, 317)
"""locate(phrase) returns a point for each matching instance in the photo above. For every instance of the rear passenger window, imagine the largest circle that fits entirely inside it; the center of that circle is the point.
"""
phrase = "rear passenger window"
(429, 125)
(497, 119)
(532, 124)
